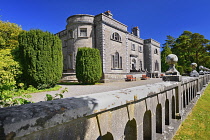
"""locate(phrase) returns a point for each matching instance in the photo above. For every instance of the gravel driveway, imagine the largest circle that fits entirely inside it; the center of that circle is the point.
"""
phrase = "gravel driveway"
(76, 90)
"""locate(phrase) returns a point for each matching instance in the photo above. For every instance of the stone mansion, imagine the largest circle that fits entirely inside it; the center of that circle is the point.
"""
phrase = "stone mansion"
(121, 52)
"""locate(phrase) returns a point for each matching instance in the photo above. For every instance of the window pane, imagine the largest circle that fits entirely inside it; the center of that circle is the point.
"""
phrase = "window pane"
(116, 36)
(120, 62)
(83, 32)
(116, 60)
(112, 61)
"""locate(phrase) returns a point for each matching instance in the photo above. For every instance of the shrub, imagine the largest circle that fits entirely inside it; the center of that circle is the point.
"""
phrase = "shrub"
(88, 65)
(41, 58)
(9, 70)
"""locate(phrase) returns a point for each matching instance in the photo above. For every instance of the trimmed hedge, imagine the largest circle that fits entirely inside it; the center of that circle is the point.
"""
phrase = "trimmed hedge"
(88, 65)
(41, 58)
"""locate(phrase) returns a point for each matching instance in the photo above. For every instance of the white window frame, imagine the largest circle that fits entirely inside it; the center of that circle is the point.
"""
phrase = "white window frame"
(116, 37)
(156, 51)
(83, 34)
(140, 49)
(133, 47)
(116, 61)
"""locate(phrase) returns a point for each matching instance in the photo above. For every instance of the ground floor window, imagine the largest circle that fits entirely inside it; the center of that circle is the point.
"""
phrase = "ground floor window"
(156, 66)
(133, 64)
(116, 61)
(140, 65)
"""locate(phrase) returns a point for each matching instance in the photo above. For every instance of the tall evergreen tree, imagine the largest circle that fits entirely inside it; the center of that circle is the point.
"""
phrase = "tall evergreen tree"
(41, 58)
(88, 65)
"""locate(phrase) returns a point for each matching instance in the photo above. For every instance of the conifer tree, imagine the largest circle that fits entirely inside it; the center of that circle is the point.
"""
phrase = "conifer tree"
(41, 58)
(88, 65)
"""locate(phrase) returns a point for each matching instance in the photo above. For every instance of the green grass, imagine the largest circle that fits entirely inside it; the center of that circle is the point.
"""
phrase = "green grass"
(76, 83)
(34, 90)
(20, 96)
(69, 83)
(197, 124)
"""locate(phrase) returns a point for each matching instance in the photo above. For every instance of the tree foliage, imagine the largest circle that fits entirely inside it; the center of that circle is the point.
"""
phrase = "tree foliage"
(41, 58)
(9, 70)
(9, 67)
(9, 35)
(166, 51)
(190, 47)
(88, 65)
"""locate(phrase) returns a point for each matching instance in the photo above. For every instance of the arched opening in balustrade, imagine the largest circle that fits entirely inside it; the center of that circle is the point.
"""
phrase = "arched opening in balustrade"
(189, 93)
(184, 99)
(167, 112)
(187, 96)
(192, 92)
(173, 108)
(159, 118)
(147, 125)
(201, 84)
(130, 131)
(107, 136)
(195, 91)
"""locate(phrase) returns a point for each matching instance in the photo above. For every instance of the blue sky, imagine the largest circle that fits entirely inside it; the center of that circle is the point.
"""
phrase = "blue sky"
(155, 18)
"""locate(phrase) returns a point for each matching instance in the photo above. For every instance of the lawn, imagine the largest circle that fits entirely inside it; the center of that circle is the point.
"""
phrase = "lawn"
(197, 124)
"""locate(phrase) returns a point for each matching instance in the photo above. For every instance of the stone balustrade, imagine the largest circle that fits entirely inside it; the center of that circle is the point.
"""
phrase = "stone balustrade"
(144, 112)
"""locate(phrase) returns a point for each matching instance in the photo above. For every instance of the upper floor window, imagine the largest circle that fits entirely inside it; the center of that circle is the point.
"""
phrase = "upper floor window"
(83, 32)
(155, 51)
(115, 36)
(140, 49)
(71, 34)
(133, 47)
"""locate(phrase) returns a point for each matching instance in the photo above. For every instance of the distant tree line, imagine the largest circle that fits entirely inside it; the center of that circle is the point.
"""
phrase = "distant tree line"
(189, 47)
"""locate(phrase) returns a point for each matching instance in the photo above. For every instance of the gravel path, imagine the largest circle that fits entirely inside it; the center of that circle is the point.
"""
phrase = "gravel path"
(76, 90)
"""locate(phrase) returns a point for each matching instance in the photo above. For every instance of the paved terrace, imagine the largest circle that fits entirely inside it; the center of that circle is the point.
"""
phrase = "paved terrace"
(77, 90)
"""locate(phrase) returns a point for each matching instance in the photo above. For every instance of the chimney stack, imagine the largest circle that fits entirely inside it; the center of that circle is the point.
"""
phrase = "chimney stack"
(135, 31)
(108, 13)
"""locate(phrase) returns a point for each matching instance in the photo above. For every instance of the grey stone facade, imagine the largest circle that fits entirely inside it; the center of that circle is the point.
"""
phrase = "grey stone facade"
(121, 52)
